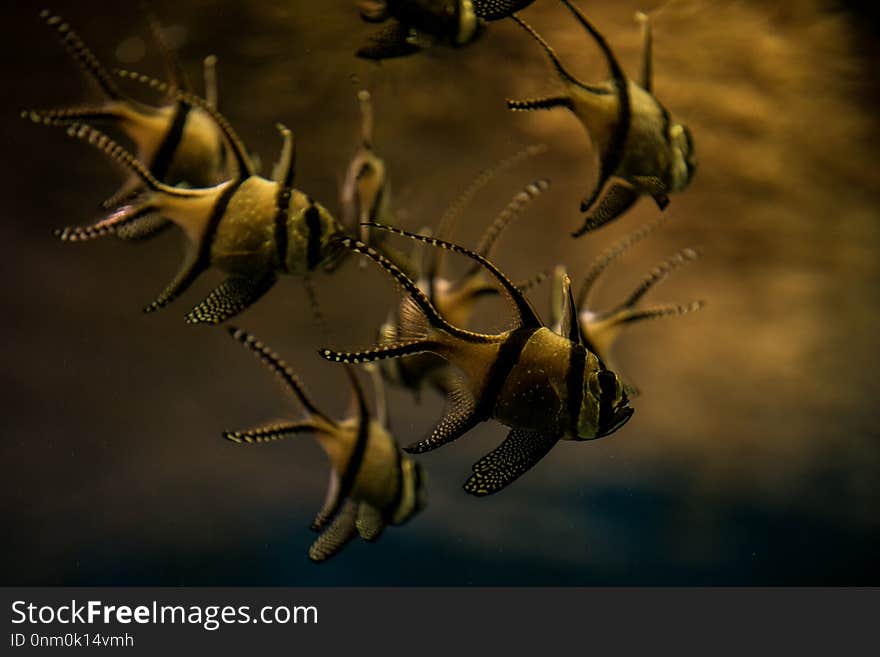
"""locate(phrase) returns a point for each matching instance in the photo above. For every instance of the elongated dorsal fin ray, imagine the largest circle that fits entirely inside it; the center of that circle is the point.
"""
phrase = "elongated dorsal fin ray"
(84, 57)
(67, 115)
(284, 170)
(646, 75)
(527, 315)
(209, 75)
(569, 324)
(271, 432)
(511, 211)
(169, 59)
(447, 222)
(367, 122)
(658, 274)
(242, 159)
(419, 297)
(280, 368)
(609, 255)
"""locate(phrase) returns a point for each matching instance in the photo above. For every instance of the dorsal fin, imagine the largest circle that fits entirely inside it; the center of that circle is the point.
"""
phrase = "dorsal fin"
(280, 368)
(646, 75)
(82, 55)
(242, 159)
(569, 324)
(447, 222)
(284, 170)
(527, 315)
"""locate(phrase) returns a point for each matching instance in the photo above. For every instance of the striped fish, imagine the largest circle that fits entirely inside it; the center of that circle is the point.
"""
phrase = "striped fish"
(373, 484)
(413, 25)
(455, 300)
(642, 151)
(601, 328)
(250, 227)
(179, 144)
(543, 385)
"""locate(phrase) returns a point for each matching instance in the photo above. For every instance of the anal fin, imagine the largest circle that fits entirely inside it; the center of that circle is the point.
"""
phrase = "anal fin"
(654, 187)
(230, 298)
(337, 535)
(519, 452)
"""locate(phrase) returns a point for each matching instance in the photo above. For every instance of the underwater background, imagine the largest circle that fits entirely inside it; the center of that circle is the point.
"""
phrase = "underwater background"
(754, 453)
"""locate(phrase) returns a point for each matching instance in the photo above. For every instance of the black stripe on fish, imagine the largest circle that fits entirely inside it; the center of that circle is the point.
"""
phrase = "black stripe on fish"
(313, 249)
(388, 513)
(170, 143)
(574, 381)
(356, 460)
(282, 205)
(508, 356)
(217, 214)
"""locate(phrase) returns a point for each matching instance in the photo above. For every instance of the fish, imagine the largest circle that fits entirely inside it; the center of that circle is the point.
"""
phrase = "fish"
(642, 150)
(250, 227)
(543, 385)
(601, 328)
(373, 483)
(179, 144)
(414, 25)
(455, 299)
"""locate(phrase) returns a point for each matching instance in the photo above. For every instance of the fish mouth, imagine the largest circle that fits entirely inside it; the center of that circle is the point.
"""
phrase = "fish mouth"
(622, 413)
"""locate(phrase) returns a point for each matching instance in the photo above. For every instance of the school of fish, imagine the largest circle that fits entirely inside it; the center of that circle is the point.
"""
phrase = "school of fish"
(545, 381)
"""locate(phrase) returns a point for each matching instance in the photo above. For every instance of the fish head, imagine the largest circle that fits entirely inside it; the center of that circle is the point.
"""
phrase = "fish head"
(605, 406)
(684, 156)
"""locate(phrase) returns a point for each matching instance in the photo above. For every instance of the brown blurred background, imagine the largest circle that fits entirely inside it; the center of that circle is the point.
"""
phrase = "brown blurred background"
(753, 457)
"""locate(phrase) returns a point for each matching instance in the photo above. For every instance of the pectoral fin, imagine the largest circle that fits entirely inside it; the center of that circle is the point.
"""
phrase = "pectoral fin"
(230, 298)
(335, 537)
(516, 455)
(618, 199)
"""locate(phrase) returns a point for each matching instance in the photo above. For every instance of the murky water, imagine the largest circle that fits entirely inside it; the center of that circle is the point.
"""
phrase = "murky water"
(753, 456)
